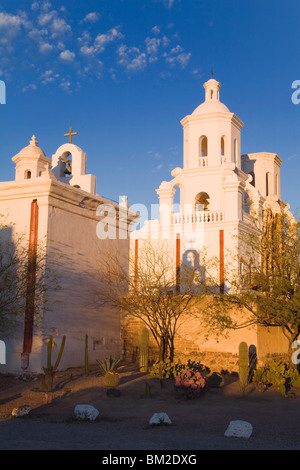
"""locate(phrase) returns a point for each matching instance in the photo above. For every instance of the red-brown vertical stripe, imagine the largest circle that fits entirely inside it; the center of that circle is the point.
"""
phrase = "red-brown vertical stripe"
(31, 280)
(222, 278)
(136, 263)
(178, 263)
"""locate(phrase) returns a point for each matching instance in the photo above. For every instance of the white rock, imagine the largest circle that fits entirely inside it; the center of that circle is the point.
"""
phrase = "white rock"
(160, 418)
(21, 411)
(239, 429)
(86, 412)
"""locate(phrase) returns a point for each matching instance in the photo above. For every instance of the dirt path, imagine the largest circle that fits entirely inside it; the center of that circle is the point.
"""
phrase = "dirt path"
(123, 421)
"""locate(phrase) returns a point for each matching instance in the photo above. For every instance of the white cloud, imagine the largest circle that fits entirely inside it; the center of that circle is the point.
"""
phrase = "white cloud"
(152, 45)
(88, 50)
(132, 59)
(66, 85)
(45, 47)
(92, 17)
(46, 18)
(100, 43)
(48, 76)
(103, 39)
(11, 23)
(178, 56)
(155, 30)
(67, 56)
(59, 27)
(31, 86)
(37, 34)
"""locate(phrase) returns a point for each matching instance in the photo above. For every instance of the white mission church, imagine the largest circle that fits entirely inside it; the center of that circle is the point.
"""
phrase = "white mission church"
(55, 200)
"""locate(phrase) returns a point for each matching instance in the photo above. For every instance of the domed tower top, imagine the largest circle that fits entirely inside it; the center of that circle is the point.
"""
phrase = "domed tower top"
(212, 103)
(212, 134)
(31, 161)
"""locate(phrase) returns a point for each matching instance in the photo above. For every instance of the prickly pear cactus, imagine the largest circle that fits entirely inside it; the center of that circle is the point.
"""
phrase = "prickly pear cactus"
(144, 350)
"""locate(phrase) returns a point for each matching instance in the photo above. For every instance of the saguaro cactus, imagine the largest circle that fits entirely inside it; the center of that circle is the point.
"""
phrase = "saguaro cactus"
(49, 371)
(86, 355)
(243, 366)
(144, 350)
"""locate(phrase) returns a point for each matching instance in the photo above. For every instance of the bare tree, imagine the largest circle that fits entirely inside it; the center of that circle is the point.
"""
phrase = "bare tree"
(152, 291)
(24, 279)
(267, 287)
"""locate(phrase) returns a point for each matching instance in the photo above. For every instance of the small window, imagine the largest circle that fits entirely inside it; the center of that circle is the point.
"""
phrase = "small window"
(223, 146)
(267, 184)
(203, 146)
(202, 202)
(235, 150)
(277, 185)
(27, 175)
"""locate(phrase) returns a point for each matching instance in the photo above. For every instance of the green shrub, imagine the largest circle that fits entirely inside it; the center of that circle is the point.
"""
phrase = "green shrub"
(277, 374)
(166, 370)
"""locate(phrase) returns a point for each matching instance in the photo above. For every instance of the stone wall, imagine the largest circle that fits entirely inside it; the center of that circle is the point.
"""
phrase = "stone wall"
(193, 342)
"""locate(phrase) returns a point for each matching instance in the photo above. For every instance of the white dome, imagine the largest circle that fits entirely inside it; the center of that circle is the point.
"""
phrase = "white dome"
(212, 103)
(213, 106)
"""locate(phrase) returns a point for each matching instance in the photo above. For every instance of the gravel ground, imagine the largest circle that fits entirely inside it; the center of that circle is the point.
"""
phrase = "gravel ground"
(123, 423)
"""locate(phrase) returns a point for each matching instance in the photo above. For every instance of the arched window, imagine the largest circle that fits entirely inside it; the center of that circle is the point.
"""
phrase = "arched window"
(66, 167)
(203, 146)
(223, 138)
(277, 185)
(202, 202)
(268, 184)
(235, 150)
(27, 175)
(253, 178)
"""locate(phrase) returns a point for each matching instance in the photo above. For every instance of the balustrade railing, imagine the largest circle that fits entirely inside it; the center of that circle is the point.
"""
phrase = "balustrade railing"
(199, 217)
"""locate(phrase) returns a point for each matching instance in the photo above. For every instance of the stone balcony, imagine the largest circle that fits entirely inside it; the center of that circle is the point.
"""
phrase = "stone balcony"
(199, 217)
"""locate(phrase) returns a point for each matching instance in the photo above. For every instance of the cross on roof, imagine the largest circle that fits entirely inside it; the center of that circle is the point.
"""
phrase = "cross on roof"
(70, 135)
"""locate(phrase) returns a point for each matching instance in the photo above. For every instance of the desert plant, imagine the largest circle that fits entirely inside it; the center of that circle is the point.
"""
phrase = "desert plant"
(277, 374)
(144, 350)
(109, 364)
(148, 388)
(110, 369)
(192, 384)
(86, 354)
(243, 366)
(47, 378)
(166, 369)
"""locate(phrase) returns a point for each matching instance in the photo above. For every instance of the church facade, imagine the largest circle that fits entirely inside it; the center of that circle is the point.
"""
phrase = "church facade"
(223, 195)
(53, 202)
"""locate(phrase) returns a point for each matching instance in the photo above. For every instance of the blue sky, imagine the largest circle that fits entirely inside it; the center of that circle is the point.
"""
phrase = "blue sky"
(125, 72)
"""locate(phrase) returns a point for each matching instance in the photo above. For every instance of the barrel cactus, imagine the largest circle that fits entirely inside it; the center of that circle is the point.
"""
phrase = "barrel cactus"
(110, 369)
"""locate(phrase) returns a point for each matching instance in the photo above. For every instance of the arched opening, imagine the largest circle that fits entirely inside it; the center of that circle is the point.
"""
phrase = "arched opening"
(223, 149)
(277, 185)
(235, 150)
(203, 146)
(246, 203)
(66, 167)
(268, 184)
(202, 202)
(27, 175)
(253, 178)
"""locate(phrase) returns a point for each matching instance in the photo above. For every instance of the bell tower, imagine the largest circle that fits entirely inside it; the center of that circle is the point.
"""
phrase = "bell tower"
(211, 134)
(69, 166)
